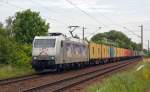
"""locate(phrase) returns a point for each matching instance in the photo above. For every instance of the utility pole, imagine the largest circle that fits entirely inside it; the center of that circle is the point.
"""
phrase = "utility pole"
(83, 32)
(148, 46)
(141, 37)
(72, 30)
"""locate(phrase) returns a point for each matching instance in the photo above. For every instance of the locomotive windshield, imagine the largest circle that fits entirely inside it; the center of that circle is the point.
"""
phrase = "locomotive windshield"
(44, 43)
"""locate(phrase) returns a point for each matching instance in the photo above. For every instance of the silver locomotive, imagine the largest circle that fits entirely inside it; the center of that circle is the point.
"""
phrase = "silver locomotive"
(56, 52)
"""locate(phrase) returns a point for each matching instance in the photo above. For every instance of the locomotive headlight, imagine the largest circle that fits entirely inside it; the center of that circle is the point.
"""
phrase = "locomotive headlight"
(52, 57)
(34, 57)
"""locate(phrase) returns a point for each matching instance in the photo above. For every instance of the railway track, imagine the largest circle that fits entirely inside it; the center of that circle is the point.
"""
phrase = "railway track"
(17, 79)
(63, 84)
(57, 82)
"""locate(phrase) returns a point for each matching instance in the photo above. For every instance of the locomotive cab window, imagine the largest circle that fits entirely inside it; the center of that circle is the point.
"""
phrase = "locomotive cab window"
(44, 43)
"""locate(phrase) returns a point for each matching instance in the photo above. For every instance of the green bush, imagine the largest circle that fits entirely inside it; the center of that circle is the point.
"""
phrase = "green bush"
(14, 53)
(22, 58)
(6, 49)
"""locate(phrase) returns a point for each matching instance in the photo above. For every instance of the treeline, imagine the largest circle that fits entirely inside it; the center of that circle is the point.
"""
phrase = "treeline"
(116, 38)
(17, 35)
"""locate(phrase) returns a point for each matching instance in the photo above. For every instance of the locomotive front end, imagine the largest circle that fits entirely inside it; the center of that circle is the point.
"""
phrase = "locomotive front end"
(43, 53)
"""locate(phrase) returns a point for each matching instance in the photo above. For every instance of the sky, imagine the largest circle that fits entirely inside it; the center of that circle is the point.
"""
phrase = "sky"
(91, 14)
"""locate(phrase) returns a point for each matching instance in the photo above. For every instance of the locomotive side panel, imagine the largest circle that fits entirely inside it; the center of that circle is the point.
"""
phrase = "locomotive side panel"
(75, 52)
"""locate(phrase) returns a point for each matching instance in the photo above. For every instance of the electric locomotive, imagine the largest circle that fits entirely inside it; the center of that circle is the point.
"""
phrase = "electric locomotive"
(56, 51)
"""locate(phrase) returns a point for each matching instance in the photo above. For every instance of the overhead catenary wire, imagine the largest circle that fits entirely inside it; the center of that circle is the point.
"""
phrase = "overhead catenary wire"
(48, 9)
(103, 16)
(10, 4)
(16, 6)
(94, 32)
(56, 12)
(117, 24)
(132, 32)
(93, 18)
(90, 16)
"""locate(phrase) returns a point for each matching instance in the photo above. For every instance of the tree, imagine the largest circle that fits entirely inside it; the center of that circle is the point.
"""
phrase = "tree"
(27, 24)
(12, 52)
(1, 25)
(9, 26)
(118, 38)
(5, 47)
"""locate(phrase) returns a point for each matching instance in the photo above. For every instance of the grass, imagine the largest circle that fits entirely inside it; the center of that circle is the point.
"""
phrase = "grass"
(9, 71)
(129, 81)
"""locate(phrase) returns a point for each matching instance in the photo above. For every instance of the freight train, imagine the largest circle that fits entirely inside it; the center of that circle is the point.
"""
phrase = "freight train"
(57, 52)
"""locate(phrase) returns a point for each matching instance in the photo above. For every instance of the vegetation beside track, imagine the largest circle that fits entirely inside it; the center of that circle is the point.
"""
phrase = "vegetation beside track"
(134, 80)
(9, 71)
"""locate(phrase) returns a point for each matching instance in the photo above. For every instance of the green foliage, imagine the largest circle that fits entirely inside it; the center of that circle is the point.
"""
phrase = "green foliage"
(14, 58)
(5, 47)
(146, 53)
(28, 24)
(23, 58)
(17, 36)
(8, 27)
(131, 81)
(12, 52)
(9, 71)
(1, 25)
(115, 38)
(21, 29)
(15, 42)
